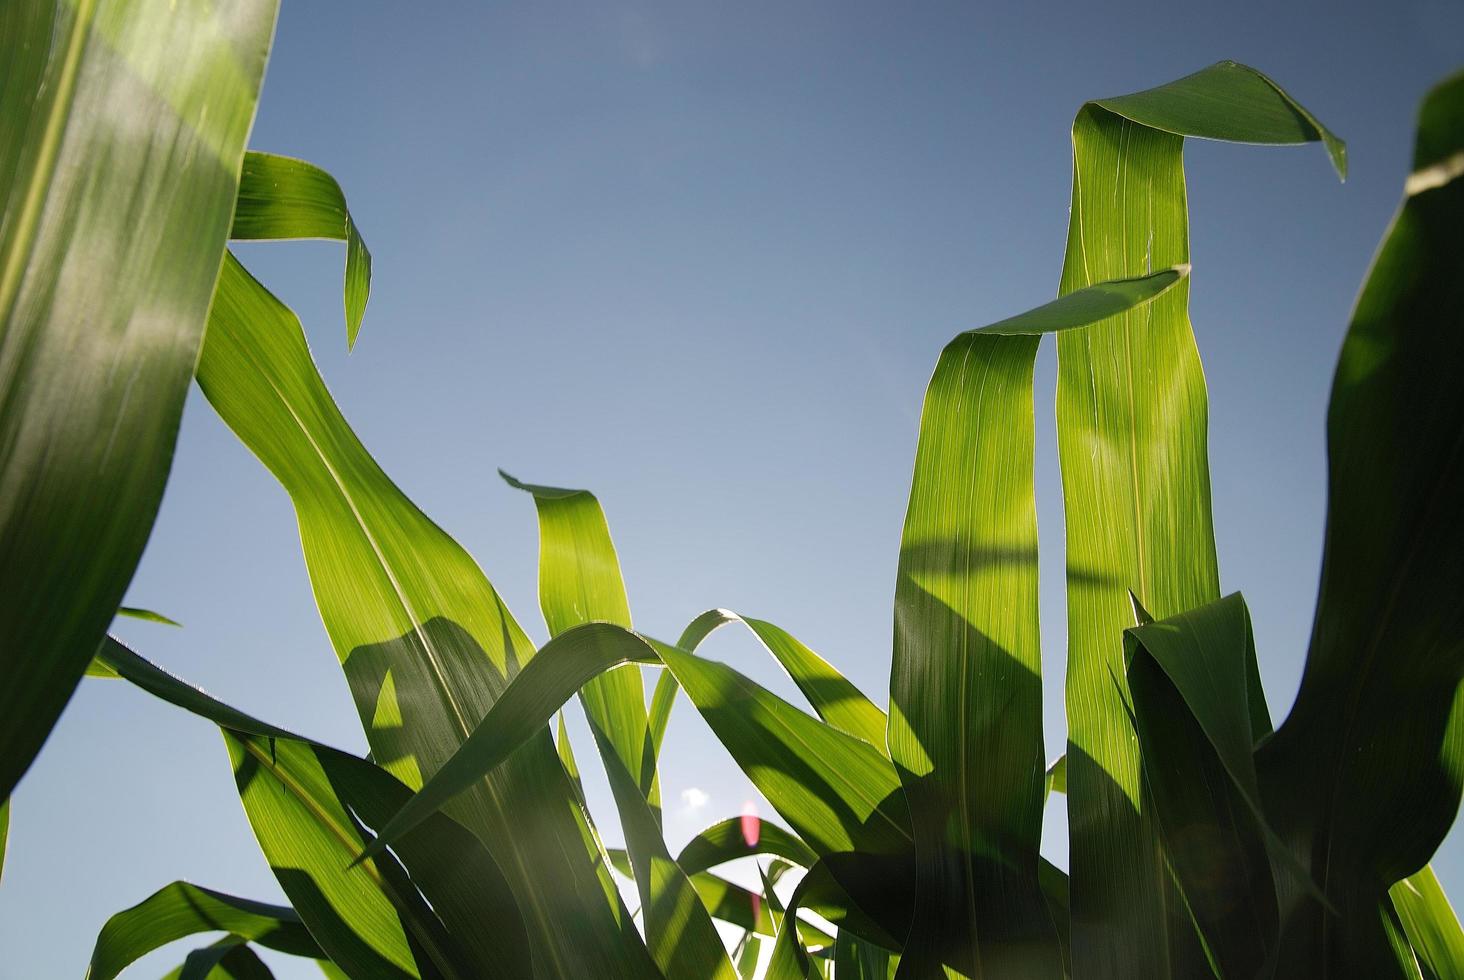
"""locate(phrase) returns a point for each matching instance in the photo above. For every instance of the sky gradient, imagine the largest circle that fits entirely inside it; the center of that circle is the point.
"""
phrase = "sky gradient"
(701, 259)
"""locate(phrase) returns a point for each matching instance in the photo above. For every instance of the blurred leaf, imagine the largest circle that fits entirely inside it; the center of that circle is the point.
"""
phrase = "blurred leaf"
(1055, 780)
(228, 959)
(182, 909)
(122, 127)
(425, 641)
(1363, 778)
(1131, 411)
(147, 615)
(283, 198)
(4, 834)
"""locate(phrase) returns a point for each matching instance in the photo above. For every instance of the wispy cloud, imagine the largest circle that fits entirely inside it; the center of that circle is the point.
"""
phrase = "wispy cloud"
(694, 799)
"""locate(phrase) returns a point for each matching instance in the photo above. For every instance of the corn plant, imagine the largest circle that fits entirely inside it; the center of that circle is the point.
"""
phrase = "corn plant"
(1204, 842)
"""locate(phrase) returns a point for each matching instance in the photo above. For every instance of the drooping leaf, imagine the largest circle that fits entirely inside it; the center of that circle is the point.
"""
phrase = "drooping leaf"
(182, 909)
(965, 725)
(1131, 412)
(726, 841)
(317, 784)
(1364, 776)
(122, 127)
(1430, 923)
(835, 699)
(283, 198)
(425, 641)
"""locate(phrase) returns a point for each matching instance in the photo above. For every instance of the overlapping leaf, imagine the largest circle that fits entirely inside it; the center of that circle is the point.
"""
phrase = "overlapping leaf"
(1132, 418)
(426, 642)
(182, 909)
(304, 800)
(122, 128)
(965, 725)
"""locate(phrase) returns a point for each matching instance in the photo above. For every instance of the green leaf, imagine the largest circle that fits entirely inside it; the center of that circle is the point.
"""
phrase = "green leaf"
(1131, 412)
(727, 840)
(839, 793)
(309, 838)
(317, 784)
(679, 931)
(122, 127)
(228, 959)
(580, 582)
(4, 834)
(1432, 927)
(838, 702)
(1364, 776)
(965, 726)
(1055, 780)
(1188, 679)
(146, 615)
(182, 909)
(425, 641)
(283, 198)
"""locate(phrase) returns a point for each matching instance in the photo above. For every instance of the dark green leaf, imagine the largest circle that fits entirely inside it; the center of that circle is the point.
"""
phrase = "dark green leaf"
(1363, 778)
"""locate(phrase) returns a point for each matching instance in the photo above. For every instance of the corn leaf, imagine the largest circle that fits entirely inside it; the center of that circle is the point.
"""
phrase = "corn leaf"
(679, 931)
(311, 787)
(580, 582)
(122, 127)
(965, 726)
(182, 909)
(425, 641)
(726, 840)
(1432, 927)
(283, 198)
(838, 702)
(1187, 678)
(228, 959)
(146, 615)
(1131, 413)
(1364, 775)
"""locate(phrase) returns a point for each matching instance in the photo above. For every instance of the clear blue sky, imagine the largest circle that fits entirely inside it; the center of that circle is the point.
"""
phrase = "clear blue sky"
(701, 259)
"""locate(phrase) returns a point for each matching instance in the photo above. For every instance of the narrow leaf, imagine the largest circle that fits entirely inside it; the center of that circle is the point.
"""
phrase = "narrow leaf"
(1432, 927)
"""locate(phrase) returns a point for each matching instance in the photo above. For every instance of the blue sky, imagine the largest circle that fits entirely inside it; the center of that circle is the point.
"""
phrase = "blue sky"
(701, 259)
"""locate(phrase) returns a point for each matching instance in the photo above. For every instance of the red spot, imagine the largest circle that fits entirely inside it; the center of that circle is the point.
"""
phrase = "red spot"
(751, 824)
